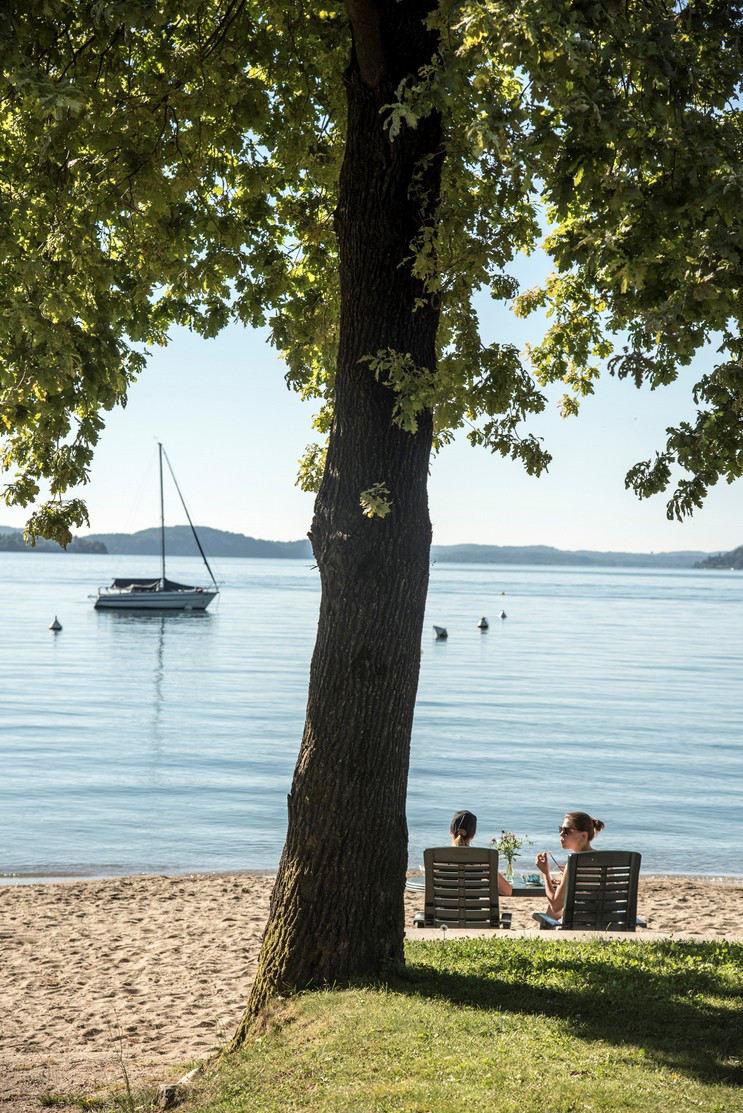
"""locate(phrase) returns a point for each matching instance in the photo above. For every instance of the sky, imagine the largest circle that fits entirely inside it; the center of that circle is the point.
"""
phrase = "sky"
(234, 433)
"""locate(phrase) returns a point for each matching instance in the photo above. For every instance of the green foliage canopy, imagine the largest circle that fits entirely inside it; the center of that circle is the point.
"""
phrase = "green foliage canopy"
(176, 162)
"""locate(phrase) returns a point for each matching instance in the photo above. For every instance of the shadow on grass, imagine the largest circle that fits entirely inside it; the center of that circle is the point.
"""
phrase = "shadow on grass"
(671, 1001)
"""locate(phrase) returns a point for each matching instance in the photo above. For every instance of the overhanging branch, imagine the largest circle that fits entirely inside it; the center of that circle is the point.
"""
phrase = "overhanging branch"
(367, 40)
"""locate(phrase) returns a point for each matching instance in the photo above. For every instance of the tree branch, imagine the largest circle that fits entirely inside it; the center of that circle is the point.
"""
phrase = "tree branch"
(367, 40)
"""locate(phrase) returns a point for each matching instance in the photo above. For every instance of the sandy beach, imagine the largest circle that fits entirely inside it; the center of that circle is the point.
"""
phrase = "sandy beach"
(148, 975)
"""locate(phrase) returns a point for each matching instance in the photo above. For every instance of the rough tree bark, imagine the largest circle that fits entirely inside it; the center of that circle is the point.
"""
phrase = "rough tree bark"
(337, 907)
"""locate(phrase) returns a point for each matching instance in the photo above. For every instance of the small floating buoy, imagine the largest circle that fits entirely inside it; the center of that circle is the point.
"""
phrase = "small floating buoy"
(441, 633)
(56, 626)
(503, 614)
(483, 624)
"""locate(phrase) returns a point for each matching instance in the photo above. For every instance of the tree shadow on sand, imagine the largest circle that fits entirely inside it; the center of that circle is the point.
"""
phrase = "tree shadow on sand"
(679, 1002)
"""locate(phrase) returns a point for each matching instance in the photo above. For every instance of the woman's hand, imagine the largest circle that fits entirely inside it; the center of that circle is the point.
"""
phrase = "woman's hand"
(541, 862)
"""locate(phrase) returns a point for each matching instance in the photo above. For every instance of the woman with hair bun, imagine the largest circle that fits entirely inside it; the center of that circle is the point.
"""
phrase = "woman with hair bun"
(577, 831)
(462, 829)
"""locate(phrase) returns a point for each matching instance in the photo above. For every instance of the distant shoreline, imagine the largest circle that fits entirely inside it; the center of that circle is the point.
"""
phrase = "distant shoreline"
(217, 543)
(617, 565)
(637, 564)
(12, 542)
(179, 541)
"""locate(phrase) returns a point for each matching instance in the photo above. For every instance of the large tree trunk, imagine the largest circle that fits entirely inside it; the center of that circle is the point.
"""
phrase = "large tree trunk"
(337, 907)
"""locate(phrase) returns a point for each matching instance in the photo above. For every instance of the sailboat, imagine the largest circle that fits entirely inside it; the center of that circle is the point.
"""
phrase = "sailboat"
(142, 594)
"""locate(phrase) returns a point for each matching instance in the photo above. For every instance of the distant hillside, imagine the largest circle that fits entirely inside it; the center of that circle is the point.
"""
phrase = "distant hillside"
(14, 543)
(546, 554)
(733, 559)
(218, 543)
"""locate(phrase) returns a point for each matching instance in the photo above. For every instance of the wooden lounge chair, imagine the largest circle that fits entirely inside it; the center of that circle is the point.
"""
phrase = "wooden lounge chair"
(461, 889)
(601, 893)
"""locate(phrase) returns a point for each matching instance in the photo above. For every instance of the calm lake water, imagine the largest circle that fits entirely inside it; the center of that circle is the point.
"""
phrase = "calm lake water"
(163, 743)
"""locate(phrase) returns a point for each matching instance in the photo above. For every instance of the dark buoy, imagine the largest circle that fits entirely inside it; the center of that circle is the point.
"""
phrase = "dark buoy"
(441, 633)
(56, 626)
(483, 624)
(503, 614)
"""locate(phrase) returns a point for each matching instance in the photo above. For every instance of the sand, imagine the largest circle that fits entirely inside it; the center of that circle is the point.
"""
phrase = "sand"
(148, 975)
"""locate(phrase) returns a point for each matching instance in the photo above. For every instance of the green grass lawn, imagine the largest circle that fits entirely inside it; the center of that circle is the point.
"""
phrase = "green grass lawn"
(507, 1026)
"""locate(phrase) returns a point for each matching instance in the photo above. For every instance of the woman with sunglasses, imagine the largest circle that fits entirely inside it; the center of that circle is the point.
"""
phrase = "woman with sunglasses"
(577, 831)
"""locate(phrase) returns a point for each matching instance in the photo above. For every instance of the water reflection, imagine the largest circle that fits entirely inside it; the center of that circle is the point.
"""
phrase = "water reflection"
(139, 618)
(157, 703)
(145, 632)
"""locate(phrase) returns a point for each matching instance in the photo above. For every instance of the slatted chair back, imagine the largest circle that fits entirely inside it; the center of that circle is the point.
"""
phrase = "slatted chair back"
(601, 891)
(461, 887)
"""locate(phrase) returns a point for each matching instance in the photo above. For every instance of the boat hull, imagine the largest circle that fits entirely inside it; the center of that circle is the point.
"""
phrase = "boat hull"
(154, 600)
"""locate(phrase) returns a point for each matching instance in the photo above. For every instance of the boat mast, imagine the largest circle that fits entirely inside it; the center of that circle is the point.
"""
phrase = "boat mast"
(193, 527)
(162, 512)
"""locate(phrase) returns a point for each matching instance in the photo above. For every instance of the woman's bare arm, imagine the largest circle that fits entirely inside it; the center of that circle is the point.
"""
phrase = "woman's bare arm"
(553, 887)
(556, 902)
